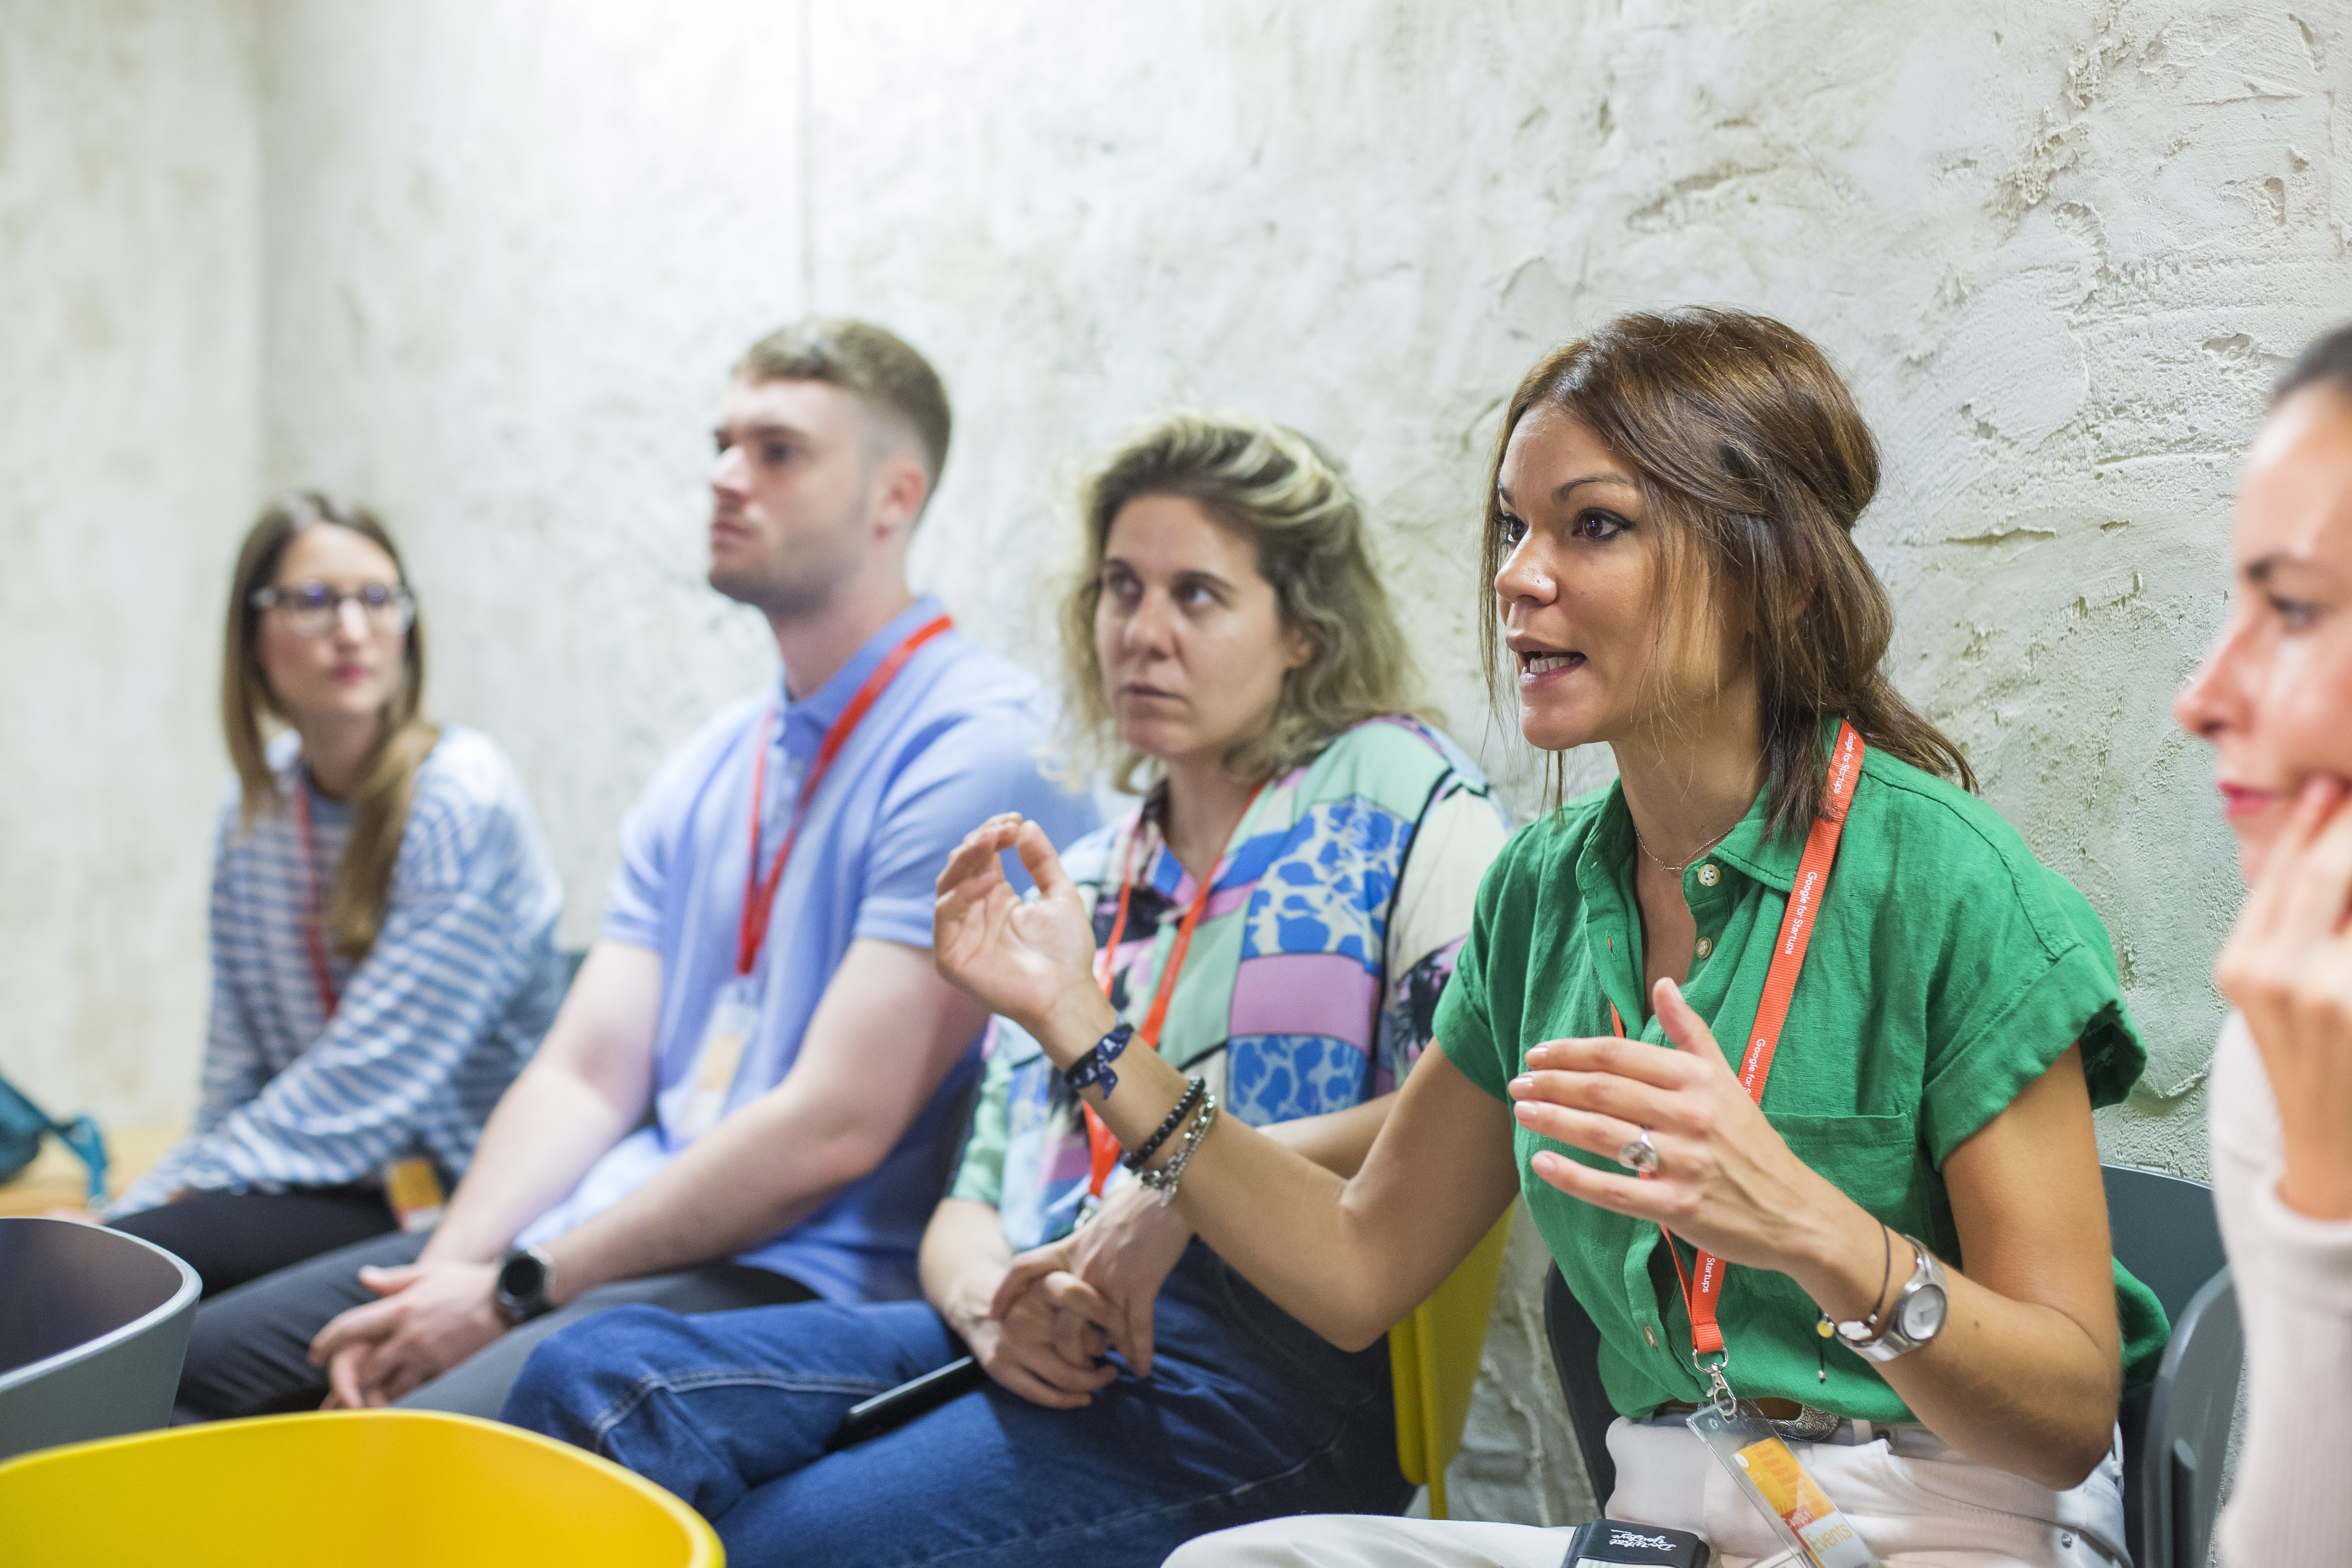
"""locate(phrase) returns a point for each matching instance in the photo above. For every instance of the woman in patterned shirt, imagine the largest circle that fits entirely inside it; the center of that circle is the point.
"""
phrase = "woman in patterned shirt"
(382, 922)
(1278, 915)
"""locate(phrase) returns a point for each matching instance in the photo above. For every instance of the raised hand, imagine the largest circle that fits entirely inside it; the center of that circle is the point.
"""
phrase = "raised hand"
(1725, 1182)
(2287, 966)
(1025, 958)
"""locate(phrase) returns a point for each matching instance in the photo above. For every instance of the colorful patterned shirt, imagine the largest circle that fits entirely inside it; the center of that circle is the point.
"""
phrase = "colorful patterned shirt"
(1312, 981)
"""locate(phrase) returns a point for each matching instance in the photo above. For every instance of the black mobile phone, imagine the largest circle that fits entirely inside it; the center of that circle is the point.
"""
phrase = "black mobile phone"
(897, 1406)
(1613, 1543)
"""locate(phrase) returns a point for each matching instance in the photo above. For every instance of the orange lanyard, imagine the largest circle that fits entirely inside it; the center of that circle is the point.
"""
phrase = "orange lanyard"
(322, 979)
(1102, 1148)
(759, 894)
(1797, 923)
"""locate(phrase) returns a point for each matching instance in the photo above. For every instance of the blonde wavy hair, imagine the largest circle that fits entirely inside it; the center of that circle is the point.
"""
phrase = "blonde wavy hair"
(1289, 501)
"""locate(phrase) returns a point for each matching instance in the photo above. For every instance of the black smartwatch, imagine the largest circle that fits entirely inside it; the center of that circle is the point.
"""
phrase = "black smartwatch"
(524, 1275)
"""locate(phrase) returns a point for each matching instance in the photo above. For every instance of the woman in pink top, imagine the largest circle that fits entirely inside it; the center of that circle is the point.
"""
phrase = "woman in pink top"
(2276, 700)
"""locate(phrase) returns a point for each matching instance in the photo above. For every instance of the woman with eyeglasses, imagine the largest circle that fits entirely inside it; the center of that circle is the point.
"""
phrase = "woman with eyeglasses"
(384, 920)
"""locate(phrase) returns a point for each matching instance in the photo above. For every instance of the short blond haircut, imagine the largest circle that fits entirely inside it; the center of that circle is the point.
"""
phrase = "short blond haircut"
(868, 363)
(1284, 496)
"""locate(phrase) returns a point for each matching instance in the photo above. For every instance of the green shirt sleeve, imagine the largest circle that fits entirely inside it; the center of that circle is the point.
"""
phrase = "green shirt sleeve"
(980, 1177)
(2029, 972)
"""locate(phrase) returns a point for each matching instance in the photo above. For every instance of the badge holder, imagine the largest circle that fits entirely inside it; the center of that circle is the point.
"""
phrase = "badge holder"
(412, 1188)
(732, 1019)
(1761, 1464)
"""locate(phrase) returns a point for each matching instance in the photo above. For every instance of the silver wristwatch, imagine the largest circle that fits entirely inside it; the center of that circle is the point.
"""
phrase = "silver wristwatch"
(1915, 1317)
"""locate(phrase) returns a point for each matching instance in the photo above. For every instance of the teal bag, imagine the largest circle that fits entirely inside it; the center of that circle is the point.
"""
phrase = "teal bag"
(22, 1125)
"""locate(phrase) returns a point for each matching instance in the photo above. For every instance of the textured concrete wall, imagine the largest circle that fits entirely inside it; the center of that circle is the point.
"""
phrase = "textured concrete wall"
(129, 285)
(2058, 249)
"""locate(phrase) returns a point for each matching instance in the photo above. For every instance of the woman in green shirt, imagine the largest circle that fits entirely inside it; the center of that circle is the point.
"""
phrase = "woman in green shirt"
(1669, 531)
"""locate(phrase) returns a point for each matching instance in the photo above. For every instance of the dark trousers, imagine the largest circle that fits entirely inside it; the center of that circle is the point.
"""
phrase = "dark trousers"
(231, 1238)
(1246, 1416)
(247, 1355)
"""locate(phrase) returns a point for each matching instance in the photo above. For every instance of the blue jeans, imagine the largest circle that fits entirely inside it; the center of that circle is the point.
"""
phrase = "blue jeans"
(1246, 1416)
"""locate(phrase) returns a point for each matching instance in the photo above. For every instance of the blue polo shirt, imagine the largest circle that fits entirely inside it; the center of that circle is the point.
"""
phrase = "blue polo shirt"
(956, 736)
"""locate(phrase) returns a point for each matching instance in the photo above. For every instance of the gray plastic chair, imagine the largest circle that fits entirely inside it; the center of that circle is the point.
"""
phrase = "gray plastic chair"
(93, 1326)
(2176, 1430)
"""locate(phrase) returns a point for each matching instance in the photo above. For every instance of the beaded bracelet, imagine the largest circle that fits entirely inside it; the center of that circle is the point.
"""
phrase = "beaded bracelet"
(1151, 1146)
(1163, 1180)
(1095, 1066)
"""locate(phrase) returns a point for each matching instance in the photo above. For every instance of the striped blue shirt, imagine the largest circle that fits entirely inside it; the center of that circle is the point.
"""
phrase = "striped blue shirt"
(434, 1023)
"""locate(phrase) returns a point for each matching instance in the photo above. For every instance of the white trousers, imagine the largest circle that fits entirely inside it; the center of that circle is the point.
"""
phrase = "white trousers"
(1914, 1502)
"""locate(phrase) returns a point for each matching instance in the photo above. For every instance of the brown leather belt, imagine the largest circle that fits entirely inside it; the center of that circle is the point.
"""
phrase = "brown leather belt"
(1796, 1423)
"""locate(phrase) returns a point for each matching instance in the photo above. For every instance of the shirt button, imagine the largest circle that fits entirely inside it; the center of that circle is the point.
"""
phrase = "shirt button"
(1708, 875)
(1706, 945)
(1648, 1336)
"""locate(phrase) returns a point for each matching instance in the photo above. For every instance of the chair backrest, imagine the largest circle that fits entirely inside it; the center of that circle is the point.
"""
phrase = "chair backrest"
(1433, 1364)
(2165, 1231)
(1575, 1341)
(364, 1488)
(2177, 1429)
(93, 1326)
(2176, 1432)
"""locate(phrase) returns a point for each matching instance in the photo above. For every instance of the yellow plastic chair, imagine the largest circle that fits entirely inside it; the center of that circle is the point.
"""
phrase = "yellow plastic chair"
(1434, 1357)
(363, 1488)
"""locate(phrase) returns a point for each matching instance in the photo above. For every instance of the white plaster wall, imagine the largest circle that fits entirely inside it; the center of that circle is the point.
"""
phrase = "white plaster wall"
(130, 282)
(510, 248)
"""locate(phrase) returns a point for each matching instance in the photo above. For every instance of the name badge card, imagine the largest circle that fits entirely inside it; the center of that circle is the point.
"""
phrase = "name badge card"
(1762, 1466)
(732, 1018)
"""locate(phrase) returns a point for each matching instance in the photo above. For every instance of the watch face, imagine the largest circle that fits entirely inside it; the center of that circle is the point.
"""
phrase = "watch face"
(1923, 1313)
(519, 1277)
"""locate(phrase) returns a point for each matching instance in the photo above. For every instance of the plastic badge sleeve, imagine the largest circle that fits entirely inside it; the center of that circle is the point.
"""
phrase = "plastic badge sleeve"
(1763, 1467)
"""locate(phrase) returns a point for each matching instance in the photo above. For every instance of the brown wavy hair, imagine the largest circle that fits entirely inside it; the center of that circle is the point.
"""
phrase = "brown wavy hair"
(361, 890)
(1290, 501)
(1748, 447)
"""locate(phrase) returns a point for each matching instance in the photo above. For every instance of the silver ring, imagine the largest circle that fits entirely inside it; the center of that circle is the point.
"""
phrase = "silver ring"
(1639, 1153)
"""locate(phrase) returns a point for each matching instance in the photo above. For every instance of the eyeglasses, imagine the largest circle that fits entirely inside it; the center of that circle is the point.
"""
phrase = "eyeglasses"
(313, 609)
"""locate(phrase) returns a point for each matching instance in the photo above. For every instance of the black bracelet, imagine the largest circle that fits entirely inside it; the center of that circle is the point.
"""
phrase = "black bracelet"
(1095, 1066)
(1199, 1086)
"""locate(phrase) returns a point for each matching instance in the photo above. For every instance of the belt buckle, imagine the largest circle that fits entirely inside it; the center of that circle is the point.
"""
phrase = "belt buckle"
(1810, 1426)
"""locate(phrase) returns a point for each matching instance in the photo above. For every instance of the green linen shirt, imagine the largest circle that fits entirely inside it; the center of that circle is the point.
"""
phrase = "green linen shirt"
(1949, 970)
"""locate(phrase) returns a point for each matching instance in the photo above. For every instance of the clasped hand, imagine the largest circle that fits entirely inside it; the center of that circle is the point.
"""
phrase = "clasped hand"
(1060, 1308)
(431, 1317)
(1726, 1181)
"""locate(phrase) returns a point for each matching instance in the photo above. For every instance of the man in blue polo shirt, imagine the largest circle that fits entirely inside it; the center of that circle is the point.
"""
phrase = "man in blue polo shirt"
(745, 1098)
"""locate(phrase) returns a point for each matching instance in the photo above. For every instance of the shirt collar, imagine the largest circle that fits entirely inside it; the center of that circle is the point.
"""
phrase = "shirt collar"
(806, 722)
(1771, 859)
(1748, 848)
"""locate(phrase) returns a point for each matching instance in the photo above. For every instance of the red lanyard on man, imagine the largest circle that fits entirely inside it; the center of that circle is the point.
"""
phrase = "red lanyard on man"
(760, 893)
(1102, 1147)
(1702, 1293)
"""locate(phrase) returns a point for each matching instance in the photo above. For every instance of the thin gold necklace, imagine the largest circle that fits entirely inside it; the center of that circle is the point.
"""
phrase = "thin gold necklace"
(1678, 870)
